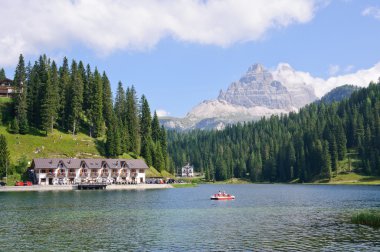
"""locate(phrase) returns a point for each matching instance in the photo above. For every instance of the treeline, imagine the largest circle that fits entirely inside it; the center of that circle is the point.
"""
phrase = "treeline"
(74, 97)
(301, 146)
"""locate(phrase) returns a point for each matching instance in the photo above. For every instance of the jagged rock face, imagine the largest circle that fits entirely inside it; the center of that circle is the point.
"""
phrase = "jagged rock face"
(258, 88)
(258, 93)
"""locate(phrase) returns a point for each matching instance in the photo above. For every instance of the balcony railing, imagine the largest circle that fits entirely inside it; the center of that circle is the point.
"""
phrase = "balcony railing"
(50, 175)
(61, 175)
(72, 174)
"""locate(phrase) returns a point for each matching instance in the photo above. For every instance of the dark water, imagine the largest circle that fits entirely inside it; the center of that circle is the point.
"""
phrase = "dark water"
(262, 218)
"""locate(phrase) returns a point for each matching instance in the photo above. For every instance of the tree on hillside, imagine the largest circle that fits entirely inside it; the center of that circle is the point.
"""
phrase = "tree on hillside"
(156, 131)
(63, 90)
(133, 120)
(2, 74)
(75, 99)
(4, 156)
(146, 131)
(20, 103)
(96, 106)
(107, 100)
(49, 100)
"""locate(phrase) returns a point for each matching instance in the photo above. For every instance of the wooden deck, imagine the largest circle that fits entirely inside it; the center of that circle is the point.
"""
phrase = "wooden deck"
(96, 186)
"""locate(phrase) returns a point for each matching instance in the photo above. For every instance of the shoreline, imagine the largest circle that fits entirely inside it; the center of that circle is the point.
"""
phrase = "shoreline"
(40, 188)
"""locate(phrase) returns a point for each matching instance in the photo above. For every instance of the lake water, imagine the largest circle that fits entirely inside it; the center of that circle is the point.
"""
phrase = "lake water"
(263, 217)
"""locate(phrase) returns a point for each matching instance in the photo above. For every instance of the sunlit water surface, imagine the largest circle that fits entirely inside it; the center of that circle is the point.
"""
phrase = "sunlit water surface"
(263, 217)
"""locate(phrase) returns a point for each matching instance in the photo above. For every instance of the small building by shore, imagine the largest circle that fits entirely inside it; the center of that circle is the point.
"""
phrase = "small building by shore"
(56, 171)
(188, 171)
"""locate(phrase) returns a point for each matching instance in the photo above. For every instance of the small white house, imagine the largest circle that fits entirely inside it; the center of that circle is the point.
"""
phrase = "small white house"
(188, 171)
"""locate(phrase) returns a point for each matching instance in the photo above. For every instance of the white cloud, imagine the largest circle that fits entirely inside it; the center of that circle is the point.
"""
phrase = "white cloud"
(333, 69)
(372, 11)
(290, 77)
(106, 26)
(162, 113)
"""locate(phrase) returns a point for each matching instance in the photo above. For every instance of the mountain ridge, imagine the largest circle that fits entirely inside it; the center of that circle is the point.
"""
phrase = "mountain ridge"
(256, 94)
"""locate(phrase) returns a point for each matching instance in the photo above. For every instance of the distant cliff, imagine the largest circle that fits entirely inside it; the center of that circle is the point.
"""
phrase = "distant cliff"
(256, 94)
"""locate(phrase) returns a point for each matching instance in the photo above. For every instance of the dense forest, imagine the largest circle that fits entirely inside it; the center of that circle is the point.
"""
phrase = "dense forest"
(302, 146)
(74, 98)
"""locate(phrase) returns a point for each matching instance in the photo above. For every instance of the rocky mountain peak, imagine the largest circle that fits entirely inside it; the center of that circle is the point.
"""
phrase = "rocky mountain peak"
(257, 88)
(256, 73)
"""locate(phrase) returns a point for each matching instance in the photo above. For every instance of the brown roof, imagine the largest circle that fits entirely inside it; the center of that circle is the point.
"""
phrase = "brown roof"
(113, 163)
(136, 164)
(71, 163)
(53, 163)
(93, 163)
(6, 82)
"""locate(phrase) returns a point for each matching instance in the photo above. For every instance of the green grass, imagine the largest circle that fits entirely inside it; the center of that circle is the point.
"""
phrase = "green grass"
(351, 178)
(369, 218)
(152, 173)
(184, 185)
(5, 99)
(55, 145)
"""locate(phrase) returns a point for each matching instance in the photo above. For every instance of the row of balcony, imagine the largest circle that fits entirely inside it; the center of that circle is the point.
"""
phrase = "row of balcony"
(86, 174)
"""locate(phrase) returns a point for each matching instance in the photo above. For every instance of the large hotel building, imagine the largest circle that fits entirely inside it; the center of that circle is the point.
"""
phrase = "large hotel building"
(55, 171)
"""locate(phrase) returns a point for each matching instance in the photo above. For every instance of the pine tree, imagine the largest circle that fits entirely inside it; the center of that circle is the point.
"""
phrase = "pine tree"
(146, 131)
(164, 145)
(97, 104)
(326, 161)
(20, 103)
(120, 102)
(156, 131)
(158, 159)
(75, 100)
(2, 74)
(132, 120)
(63, 90)
(4, 156)
(107, 100)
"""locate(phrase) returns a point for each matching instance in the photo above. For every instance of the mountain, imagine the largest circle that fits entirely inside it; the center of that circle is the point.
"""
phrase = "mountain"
(256, 94)
(315, 144)
(338, 94)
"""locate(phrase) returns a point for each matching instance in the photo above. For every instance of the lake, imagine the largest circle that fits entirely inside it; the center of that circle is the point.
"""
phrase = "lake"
(263, 217)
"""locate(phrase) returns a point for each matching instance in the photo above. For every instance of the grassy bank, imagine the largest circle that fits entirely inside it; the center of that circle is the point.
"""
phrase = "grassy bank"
(351, 179)
(184, 185)
(369, 218)
(56, 144)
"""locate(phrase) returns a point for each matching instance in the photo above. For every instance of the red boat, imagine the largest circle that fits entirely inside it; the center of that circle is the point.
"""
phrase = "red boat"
(222, 196)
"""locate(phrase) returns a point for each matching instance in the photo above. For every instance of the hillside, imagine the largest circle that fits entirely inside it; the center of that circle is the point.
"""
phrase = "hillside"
(315, 144)
(57, 144)
(338, 94)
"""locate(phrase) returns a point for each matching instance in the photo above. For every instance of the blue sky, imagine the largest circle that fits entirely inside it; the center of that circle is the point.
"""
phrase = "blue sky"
(178, 66)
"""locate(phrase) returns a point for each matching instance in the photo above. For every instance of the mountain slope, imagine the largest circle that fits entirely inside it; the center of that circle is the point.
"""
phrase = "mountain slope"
(338, 94)
(315, 144)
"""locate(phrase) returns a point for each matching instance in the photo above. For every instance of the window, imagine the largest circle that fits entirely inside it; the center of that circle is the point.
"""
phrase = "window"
(141, 171)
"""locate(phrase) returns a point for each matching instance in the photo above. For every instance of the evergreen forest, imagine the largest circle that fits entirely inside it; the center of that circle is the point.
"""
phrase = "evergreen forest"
(304, 146)
(76, 98)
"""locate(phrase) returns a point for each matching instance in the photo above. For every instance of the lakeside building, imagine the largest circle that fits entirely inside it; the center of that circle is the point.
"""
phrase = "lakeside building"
(6, 88)
(188, 171)
(54, 171)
